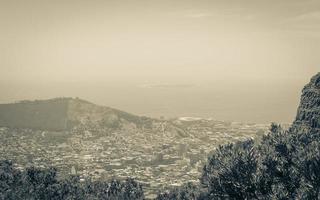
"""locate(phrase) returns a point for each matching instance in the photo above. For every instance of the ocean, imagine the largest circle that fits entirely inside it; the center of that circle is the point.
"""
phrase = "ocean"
(256, 102)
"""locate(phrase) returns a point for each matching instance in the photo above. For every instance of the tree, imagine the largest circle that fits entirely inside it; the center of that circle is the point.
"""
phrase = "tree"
(231, 172)
(43, 184)
(188, 191)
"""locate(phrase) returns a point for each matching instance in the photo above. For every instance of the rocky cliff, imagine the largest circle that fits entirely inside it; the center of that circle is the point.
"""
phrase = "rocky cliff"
(308, 115)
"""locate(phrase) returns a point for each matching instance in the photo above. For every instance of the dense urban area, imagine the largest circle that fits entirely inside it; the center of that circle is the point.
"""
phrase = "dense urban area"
(167, 154)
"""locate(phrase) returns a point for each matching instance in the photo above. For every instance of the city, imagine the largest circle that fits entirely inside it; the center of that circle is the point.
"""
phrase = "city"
(165, 155)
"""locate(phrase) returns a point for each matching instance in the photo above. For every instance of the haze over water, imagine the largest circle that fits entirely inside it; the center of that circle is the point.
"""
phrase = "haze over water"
(261, 102)
(230, 60)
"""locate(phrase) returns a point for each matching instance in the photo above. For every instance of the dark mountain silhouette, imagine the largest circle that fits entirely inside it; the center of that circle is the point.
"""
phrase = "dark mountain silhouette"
(64, 114)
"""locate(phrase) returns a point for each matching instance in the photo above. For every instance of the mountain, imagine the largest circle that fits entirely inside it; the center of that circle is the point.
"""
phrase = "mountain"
(64, 114)
(308, 115)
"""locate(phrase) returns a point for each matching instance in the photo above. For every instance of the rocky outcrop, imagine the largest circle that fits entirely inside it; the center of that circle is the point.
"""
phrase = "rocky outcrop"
(308, 115)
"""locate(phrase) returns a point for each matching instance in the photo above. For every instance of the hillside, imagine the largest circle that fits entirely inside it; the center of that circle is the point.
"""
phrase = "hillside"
(48, 114)
(64, 114)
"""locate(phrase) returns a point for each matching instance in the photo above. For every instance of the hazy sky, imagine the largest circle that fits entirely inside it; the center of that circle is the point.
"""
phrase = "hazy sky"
(159, 41)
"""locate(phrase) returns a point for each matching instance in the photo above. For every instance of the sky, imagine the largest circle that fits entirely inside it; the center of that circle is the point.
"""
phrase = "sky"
(274, 43)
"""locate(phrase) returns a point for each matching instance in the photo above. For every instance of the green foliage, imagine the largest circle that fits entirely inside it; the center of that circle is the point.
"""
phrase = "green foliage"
(42, 184)
(284, 165)
(232, 172)
(188, 191)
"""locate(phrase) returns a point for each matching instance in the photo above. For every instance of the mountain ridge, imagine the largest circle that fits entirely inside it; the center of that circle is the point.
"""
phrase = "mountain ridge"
(63, 114)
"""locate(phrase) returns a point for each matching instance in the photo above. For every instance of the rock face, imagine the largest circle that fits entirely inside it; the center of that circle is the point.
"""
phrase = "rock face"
(308, 115)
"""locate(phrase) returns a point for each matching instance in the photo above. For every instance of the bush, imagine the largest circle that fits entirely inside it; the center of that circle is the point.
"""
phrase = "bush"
(285, 164)
(42, 184)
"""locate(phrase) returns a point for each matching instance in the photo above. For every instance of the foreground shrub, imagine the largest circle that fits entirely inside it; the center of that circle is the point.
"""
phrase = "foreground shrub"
(42, 184)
